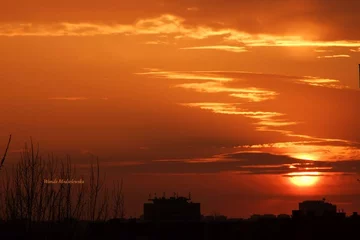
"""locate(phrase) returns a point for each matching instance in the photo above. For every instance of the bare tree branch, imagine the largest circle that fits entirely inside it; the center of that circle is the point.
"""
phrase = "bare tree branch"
(7, 148)
(27, 196)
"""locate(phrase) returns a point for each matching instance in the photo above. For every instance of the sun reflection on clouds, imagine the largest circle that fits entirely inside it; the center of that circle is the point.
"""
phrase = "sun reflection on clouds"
(251, 94)
(228, 108)
(170, 25)
(222, 82)
(186, 75)
(335, 56)
(227, 48)
(320, 150)
(310, 148)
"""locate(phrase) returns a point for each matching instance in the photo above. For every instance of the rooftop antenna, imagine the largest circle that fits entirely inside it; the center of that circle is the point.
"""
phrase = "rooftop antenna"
(155, 196)
(174, 195)
(163, 194)
(189, 195)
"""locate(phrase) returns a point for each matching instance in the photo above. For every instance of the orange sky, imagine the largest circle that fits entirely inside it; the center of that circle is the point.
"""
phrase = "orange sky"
(223, 99)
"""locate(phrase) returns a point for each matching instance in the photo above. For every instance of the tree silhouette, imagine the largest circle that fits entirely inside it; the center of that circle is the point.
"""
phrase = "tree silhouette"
(27, 195)
(6, 150)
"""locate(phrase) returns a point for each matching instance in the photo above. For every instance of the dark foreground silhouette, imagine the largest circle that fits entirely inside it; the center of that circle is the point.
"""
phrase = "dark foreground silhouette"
(293, 228)
(56, 207)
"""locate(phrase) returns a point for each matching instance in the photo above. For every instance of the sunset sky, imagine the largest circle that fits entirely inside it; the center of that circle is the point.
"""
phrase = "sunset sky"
(252, 106)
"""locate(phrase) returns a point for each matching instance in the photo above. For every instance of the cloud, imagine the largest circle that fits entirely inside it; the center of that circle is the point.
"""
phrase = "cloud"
(251, 94)
(192, 9)
(322, 50)
(225, 108)
(235, 84)
(322, 82)
(76, 98)
(327, 18)
(227, 48)
(171, 25)
(113, 164)
(291, 41)
(235, 76)
(156, 42)
(319, 149)
(355, 50)
(335, 56)
(266, 163)
(241, 163)
(185, 75)
(220, 82)
(264, 120)
(68, 98)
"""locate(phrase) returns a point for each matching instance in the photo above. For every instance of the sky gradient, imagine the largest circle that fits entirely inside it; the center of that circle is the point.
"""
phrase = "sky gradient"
(250, 105)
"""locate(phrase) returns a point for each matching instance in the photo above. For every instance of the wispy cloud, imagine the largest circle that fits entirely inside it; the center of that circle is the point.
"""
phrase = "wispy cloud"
(322, 82)
(157, 42)
(185, 75)
(251, 94)
(226, 108)
(75, 98)
(320, 149)
(223, 77)
(113, 164)
(219, 82)
(68, 98)
(355, 50)
(227, 48)
(242, 163)
(323, 50)
(166, 24)
(263, 119)
(335, 56)
(192, 9)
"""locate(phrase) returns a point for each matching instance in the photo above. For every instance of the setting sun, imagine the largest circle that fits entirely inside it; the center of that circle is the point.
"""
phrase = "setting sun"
(304, 156)
(304, 179)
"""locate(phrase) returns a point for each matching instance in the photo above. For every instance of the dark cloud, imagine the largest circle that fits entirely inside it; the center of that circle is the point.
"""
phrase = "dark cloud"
(242, 163)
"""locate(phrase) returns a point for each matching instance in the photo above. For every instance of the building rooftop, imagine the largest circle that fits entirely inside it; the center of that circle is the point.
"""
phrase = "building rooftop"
(175, 199)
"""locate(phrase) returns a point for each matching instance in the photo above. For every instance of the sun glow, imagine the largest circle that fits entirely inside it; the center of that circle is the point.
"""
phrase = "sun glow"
(304, 179)
(304, 156)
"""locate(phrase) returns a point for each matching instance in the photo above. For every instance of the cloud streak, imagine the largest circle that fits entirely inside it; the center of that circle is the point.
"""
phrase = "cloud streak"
(251, 94)
(69, 98)
(185, 75)
(320, 149)
(322, 82)
(215, 82)
(75, 98)
(322, 50)
(335, 56)
(242, 163)
(170, 25)
(227, 48)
